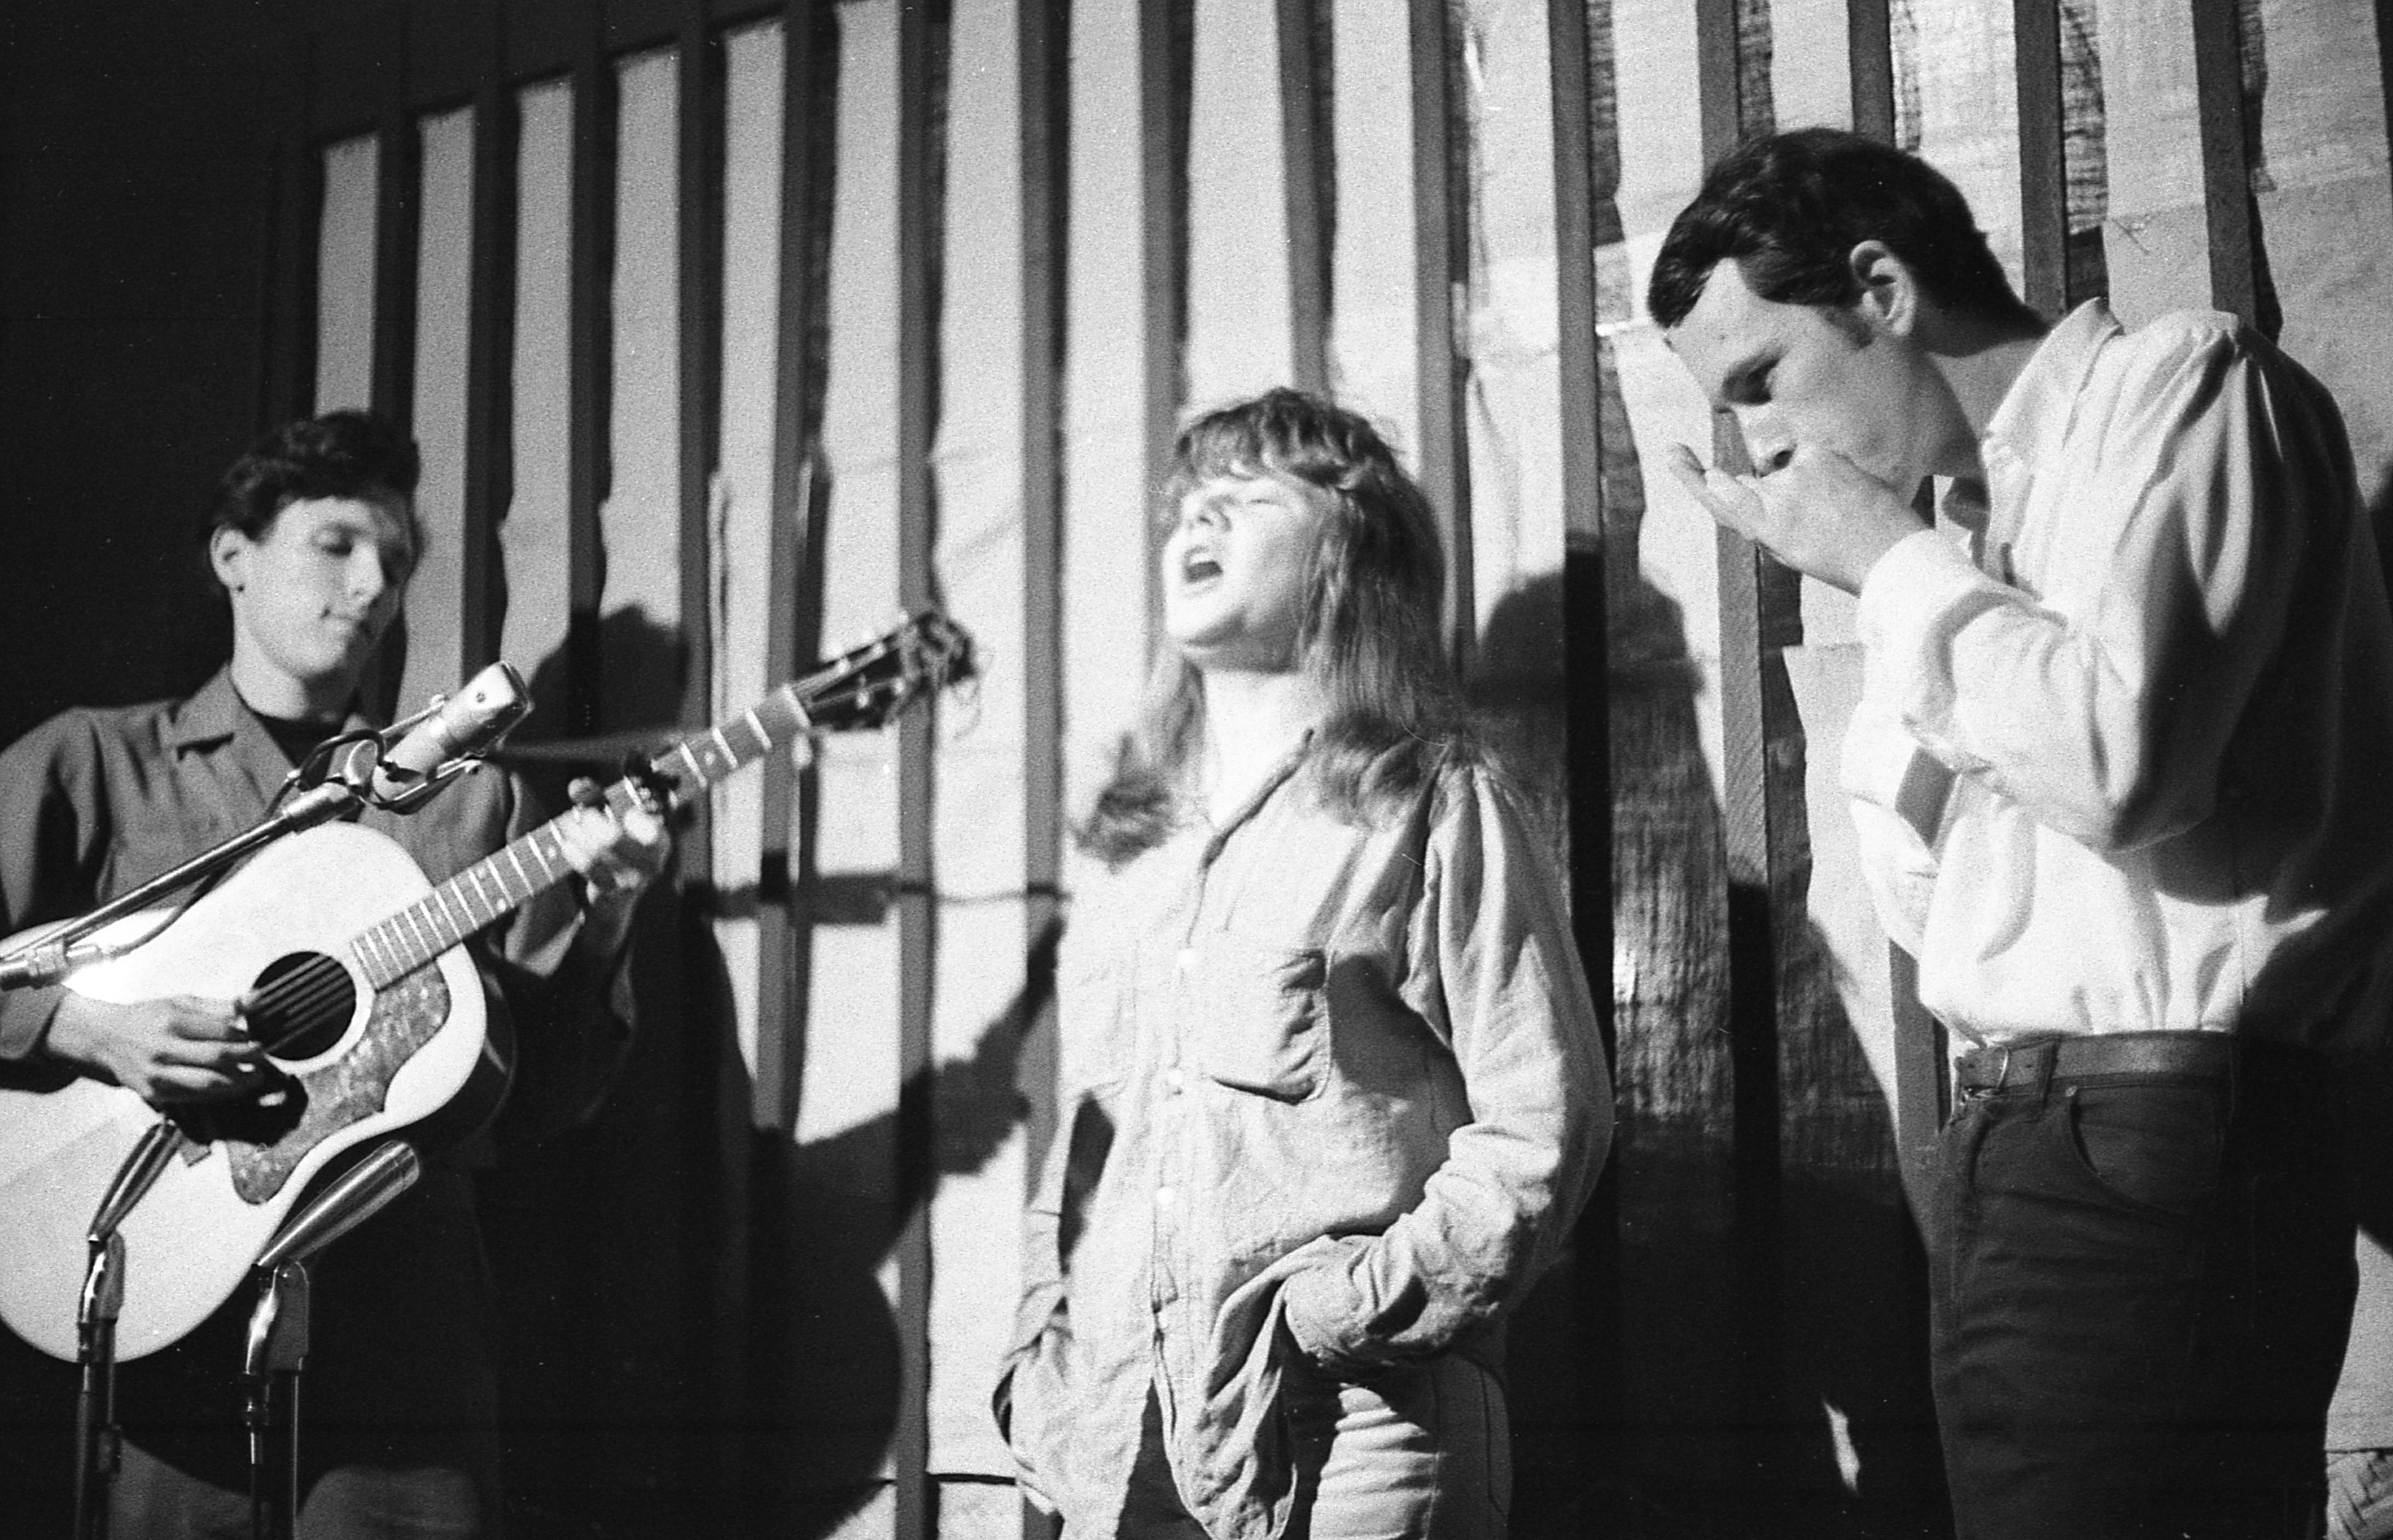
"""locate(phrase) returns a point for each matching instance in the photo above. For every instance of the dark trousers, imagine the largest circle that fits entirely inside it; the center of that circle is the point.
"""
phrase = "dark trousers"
(2145, 1286)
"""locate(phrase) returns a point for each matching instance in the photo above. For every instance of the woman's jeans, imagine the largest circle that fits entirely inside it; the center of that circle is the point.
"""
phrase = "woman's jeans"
(2144, 1284)
(1420, 1451)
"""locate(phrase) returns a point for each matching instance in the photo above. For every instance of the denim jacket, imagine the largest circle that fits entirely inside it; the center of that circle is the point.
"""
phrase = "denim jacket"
(1326, 1089)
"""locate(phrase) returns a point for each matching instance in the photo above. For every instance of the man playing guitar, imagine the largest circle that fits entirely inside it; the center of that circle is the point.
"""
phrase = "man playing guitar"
(313, 541)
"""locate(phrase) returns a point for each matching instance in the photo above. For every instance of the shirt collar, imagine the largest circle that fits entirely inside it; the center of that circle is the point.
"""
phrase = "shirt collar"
(208, 716)
(1262, 794)
(2035, 412)
(214, 714)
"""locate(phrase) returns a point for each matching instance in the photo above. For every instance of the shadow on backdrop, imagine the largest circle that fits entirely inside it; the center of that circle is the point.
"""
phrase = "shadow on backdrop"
(825, 1349)
(697, 1332)
(1769, 1376)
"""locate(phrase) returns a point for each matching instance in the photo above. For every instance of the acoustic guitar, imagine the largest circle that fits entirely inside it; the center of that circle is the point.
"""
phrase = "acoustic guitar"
(356, 980)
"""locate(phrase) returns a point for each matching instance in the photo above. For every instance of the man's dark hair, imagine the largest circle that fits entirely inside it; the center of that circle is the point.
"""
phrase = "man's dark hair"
(338, 454)
(1791, 207)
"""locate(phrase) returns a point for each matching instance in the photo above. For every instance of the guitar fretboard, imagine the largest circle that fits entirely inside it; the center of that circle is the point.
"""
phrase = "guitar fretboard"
(503, 883)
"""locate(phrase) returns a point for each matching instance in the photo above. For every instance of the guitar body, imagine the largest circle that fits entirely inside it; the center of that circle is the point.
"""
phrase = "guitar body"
(352, 970)
(280, 928)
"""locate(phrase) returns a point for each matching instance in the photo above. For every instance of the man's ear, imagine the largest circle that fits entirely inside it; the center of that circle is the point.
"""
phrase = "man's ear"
(1890, 296)
(227, 556)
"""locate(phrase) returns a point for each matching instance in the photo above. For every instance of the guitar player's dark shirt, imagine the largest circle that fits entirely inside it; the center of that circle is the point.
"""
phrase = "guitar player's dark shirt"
(95, 801)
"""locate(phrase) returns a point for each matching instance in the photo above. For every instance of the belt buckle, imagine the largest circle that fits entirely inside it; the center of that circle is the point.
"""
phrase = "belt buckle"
(2002, 1074)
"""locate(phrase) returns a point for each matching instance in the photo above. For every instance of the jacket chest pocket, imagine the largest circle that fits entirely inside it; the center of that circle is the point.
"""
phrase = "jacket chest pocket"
(1259, 1016)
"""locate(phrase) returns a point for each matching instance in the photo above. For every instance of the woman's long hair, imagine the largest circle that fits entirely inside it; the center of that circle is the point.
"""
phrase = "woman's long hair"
(1368, 639)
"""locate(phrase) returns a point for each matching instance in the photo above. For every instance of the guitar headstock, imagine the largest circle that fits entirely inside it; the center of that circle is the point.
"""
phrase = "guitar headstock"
(869, 686)
(863, 689)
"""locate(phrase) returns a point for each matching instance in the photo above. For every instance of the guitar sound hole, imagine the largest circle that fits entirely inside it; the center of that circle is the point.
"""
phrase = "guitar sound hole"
(301, 1005)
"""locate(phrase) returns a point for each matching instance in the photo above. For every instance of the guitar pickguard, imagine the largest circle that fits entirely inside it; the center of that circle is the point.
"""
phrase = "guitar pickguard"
(356, 1086)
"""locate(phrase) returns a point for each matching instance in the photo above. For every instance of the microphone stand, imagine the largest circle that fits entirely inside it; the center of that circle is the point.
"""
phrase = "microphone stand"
(48, 961)
(275, 1351)
(277, 1345)
(60, 952)
(97, 1446)
(63, 950)
(97, 1440)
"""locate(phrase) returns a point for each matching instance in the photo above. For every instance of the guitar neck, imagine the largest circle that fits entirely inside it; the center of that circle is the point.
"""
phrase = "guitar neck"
(504, 882)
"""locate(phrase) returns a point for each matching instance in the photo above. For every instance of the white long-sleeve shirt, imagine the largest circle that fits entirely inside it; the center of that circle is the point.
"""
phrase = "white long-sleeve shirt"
(2125, 762)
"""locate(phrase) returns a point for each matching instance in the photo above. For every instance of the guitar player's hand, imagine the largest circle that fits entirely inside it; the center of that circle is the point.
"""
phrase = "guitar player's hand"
(617, 857)
(180, 1049)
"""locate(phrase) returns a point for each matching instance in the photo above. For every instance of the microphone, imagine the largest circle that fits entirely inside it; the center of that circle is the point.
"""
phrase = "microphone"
(356, 1197)
(135, 1178)
(412, 759)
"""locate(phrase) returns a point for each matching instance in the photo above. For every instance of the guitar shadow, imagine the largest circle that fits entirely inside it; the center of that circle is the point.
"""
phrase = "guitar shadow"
(828, 1355)
(695, 1332)
(696, 1323)
(1691, 1367)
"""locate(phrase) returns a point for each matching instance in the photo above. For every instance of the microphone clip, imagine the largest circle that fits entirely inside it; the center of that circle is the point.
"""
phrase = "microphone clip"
(371, 772)
(400, 767)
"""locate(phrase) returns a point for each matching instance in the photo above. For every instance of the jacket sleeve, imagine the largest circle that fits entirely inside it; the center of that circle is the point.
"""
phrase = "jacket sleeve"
(1493, 960)
(53, 837)
(2103, 704)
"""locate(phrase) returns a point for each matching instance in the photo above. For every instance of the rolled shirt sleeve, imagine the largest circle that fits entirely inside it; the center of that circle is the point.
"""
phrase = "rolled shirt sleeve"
(2101, 702)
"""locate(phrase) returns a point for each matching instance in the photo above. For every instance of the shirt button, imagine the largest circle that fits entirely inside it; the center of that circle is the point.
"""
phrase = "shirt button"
(1174, 1081)
(1166, 1196)
(1186, 960)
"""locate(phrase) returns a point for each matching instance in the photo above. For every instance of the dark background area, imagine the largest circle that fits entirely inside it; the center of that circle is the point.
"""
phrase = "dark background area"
(136, 210)
(136, 216)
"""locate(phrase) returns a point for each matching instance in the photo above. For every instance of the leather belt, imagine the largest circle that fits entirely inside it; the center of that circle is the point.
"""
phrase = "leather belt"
(2121, 1056)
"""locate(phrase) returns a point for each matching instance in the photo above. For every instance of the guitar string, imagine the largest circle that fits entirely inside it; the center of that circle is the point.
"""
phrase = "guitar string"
(318, 985)
(326, 982)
